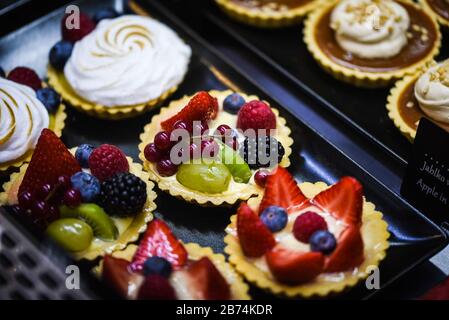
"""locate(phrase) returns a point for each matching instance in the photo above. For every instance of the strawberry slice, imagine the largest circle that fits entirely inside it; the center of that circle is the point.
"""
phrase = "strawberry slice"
(255, 238)
(440, 292)
(282, 190)
(159, 241)
(201, 107)
(51, 159)
(156, 287)
(349, 251)
(206, 281)
(117, 275)
(344, 200)
(294, 267)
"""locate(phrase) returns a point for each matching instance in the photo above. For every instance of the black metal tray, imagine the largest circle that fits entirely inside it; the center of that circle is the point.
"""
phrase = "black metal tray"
(285, 51)
(414, 238)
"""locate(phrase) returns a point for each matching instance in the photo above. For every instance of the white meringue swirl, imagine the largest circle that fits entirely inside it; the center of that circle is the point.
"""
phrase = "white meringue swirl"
(432, 92)
(370, 29)
(22, 118)
(126, 61)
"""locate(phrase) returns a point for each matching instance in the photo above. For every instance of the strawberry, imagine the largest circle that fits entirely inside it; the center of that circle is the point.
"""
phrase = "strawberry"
(344, 200)
(206, 282)
(255, 238)
(282, 190)
(294, 267)
(201, 107)
(50, 160)
(440, 292)
(159, 241)
(117, 274)
(156, 287)
(348, 253)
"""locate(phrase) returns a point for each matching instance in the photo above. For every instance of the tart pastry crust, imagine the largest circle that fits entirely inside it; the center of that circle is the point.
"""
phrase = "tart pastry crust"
(375, 237)
(129, 228)
(355, 76)
(236, 191)
(441, 20)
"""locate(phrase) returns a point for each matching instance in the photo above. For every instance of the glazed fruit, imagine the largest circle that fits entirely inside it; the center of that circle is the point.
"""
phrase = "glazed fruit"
(25, 76)
(123, 194)
(157, 265)
(307, 224)
(159, 241)
(152, 153)
(166, 168)
(106, 13)
(256, 115)
(209, 148)
(102, 225)
(255, 238)
(26, 200)
(200, 128)
(275, 218)
(116, 274)
(323, 241)
(87, 185)
(262, 151)
(222, 131)
(71, 234)
(72, 198)
(201, 107)
(233, 103)
(182, 125)
(236, 165)
(156, 287)
(107, 160)
(210, 177)
(260, 177)
(83, 153)
(45, 191)
(162, 141)
(60, 54)
(49, 98)
(69, 33)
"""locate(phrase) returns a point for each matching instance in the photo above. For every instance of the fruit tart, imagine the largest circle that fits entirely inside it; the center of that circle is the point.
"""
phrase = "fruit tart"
(163, 268)
(215, 148)
(440, 8)
(424, 94)
(307, 239)
(268, 13)
(119, 66)
(371, 43)
(26, 107)
(91, 201)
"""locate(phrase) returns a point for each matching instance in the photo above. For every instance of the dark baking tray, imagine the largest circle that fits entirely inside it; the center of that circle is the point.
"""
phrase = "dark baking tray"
(414, 237)
(285, 51)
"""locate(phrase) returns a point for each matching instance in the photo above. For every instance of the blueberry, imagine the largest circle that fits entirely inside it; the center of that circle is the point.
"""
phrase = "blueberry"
(233, 103)
(322, 241)
(60, 53)
(49, 98)
(2, 73)
(82, 154)
(157, 265)
(87, 185)
(107, 13)
(275, 218)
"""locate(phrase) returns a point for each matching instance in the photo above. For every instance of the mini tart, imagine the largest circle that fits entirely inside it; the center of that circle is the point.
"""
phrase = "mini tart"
(56, 124)
(403, 107)
(375, 237)
(58, 81)
(129, 228)
(239, 289)
(236, 191)
(320, 41)
(439, 8)
(268, 14)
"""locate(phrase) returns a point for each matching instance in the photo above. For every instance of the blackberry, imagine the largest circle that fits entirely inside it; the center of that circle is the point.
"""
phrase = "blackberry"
(123, 194)
(262, 151)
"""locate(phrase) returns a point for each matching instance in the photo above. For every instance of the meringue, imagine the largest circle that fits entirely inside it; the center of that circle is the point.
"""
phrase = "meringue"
(126, 61)
(370, 29)
(22, 118)
(432, 92)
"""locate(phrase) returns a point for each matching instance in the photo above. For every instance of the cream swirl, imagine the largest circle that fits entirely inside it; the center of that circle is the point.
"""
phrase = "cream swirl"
(126, 61)
(370, 29)
(432, 92)
(22, 118)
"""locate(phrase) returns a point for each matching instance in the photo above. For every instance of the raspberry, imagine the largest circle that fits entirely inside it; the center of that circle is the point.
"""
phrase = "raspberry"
(107, 160)
(123, 194)
(86, 25)
(306, 224)
(25, 76)
(256, 115)
(156, 287)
